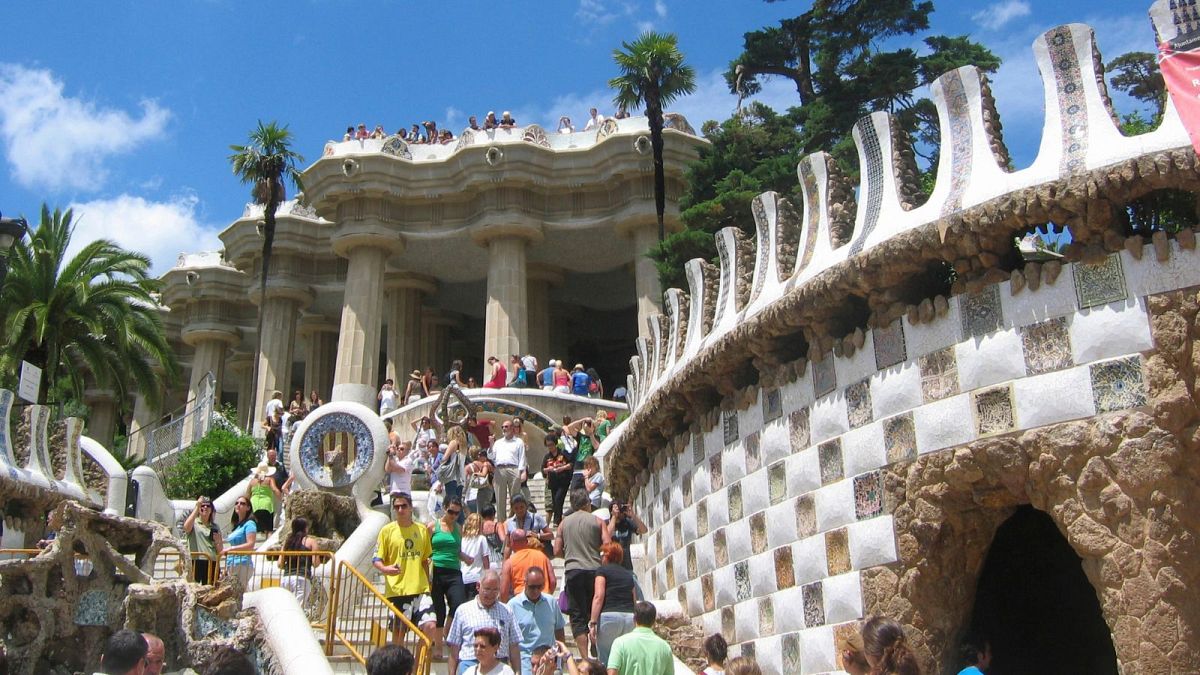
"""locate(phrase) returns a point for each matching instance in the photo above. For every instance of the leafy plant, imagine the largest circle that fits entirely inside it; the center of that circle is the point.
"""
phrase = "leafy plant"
(212, 465)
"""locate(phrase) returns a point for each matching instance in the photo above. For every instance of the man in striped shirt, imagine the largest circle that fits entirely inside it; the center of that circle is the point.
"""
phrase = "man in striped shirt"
(485, 610)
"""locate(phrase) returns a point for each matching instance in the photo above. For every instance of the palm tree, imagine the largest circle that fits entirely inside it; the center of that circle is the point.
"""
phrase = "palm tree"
(96, 313)
(264, 163)
(652, 74)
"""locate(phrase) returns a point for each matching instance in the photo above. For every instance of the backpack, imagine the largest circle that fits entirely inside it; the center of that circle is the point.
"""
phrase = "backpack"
(594, 387)
(448, 379)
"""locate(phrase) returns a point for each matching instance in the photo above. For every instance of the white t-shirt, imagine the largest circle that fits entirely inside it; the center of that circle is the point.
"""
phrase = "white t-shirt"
(476, 547)
(594, 122)
(501, 668)
(401, 481)
(273, 405)
(387, 400)
(598, 493)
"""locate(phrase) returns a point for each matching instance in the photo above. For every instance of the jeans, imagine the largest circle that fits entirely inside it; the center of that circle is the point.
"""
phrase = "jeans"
(612, 626)
(558, 495)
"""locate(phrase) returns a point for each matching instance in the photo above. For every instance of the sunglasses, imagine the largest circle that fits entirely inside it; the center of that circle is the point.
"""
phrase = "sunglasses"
(205, 506)
(453, 512)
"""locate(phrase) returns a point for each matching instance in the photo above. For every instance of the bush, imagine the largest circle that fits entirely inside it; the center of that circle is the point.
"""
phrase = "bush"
(212, 465)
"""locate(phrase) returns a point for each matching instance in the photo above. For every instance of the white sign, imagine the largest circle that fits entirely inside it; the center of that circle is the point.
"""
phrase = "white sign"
(31, 382)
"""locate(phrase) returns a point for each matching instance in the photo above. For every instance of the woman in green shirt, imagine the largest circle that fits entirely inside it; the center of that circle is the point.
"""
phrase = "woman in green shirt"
(446, 539)
(262, 493)
(204, 537)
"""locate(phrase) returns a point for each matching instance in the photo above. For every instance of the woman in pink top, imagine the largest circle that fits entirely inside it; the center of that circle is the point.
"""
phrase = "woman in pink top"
(499, 377)
(562, 379)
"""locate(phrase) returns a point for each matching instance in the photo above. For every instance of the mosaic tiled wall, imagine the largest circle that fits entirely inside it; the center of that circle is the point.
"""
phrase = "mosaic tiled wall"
(762, 526)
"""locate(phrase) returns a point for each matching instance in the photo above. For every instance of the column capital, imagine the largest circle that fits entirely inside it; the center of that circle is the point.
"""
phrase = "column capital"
(285, 288)
(240, 362)
(366, 233)
(486, 233)
(630, 227)
(195, 333)
(315, 323)
(395, 281)
(553, 275)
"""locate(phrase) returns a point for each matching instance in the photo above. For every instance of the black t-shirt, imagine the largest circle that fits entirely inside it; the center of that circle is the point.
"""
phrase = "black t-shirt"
(623, 535)
(556, 478)
(281, 475)
(618, 589)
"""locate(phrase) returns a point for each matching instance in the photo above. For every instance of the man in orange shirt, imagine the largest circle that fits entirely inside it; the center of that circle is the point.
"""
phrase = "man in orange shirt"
(527, 553)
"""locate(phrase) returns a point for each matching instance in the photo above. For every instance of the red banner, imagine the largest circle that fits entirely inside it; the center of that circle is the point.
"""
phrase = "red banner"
(1181, 71)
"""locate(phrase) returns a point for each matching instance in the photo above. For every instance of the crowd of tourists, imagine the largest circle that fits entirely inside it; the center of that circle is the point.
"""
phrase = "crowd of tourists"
(427, 132)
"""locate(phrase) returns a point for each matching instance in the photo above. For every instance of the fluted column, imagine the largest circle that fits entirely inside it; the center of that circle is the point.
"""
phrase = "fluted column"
(367, 245)
(402, 300)
(320, 344)
(649, 292)
(275, 357)
(102, 416)
(145, 416)
(210, 345)
(506, 325)
(539, 279)
(239, 368)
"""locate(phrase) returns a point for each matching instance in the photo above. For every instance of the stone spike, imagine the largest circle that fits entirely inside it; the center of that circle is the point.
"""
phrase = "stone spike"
(38, 417)
(702, 281)
(765, 210)
(658, 347)
(7, 458)
(676, 306)
(74, 472)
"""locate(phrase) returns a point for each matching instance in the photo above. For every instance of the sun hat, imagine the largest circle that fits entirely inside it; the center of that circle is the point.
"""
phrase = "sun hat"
(264, 469)
(415, 375)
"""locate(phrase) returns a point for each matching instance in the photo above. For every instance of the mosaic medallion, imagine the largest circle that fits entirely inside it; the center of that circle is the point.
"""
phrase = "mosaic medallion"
(798, 429)
(981, 312)
(814, 604)
(1047, 346)
(960, 139)
(336, 449)
(993, 411)
(772, 402)
(806, 516)
(729, 426)
(939, 374)
(900, 438)
(753, 455)
(858, 404)
(758, 532)
(1099, 284)
(824, 377)
(1118, 384)
(741, 578)
(874, 181)
(1071, 101)
(837, 551)
(868, 495)
(785, 574)
(777, 482)
(889, 345)
(829, 454)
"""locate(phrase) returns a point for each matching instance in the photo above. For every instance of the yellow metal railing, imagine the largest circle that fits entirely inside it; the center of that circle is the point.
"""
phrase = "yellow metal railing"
(285, 569)
(18, 553)
(363, 620)
(169, 565)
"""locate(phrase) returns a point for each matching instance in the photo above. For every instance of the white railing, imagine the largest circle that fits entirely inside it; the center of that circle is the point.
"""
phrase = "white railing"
(165, 441)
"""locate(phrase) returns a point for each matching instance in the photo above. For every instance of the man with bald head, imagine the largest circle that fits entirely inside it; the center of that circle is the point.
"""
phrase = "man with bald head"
(156, 655)
(526, 555)
(483, 610)
(537, 617)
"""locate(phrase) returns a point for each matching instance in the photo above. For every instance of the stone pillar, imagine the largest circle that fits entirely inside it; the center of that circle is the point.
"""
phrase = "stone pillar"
(145, 416)
(239, 368)
(280, 311)
(320, 343)
(649, 292)
(402, 300)
(102, 416)
(506, 325)
(539, 279)
(367, 245)
(210, 345)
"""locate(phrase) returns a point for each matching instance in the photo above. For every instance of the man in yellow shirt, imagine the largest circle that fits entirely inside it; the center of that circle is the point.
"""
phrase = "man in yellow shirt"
(402, 555)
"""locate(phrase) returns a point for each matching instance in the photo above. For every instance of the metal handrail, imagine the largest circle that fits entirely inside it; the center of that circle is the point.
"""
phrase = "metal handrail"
(168, 565)
(368, 619)
(164, 441)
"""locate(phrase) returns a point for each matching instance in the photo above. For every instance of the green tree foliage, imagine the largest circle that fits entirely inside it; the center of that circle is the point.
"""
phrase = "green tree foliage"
(212, 465)
(1137, 75)
(653, 74)
(94, 315)
(832, 54)
(754, 151)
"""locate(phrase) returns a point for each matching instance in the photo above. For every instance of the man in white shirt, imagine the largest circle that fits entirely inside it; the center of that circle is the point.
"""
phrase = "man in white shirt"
(595, 121)
(508, 454)
(276, 403)
(399, 468)
(387, 397)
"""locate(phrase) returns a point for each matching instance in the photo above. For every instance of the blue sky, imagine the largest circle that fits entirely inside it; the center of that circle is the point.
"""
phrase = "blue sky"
(126, 113)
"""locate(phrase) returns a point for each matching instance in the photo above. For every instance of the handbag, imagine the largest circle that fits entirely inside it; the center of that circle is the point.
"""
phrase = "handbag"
(564, 603)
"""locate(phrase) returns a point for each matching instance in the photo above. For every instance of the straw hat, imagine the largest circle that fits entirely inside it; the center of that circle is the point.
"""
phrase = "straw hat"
(264, 469)
(415, 375)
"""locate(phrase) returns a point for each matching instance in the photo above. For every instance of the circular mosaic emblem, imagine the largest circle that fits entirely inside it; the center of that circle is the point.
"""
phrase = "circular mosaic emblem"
(336, 449)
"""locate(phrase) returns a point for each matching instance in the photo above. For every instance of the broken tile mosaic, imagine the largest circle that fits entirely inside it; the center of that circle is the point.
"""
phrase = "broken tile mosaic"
(729, 426)
(741, 577)
(706, 590)
(868, 495)
(772, 402)
(735, 502)
(993, 411)
(798, 429)
(890, 348)
(939, 374)
(720, 549)
(758, 532)
(766, 616)
(837, 551)
(777, 482)
(1099, 284)
(814, 604)
(824, 377)
(806, 517)
(829, 455)
(753, 456)
(1047, 346)
(785, 573)
(858, 404)
(715, 476)
(981, 312)
(1118, 384)
(900, 438)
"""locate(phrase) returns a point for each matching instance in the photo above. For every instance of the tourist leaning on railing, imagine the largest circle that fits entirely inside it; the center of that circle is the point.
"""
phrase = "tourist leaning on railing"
(298, 569)
(204, 537)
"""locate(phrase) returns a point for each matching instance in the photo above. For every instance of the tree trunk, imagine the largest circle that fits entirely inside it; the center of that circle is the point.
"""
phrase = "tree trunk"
(269, 209)
(655, 117)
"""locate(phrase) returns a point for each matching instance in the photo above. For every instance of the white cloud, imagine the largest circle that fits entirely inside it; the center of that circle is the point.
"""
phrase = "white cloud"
(453, 118)
(595, 12)
(660, 8)
(644, 26)
(159, 230)
(57, 142)
(994, 17)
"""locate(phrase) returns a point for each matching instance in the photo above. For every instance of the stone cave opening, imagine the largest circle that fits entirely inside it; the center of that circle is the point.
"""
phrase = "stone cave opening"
(1036, 607)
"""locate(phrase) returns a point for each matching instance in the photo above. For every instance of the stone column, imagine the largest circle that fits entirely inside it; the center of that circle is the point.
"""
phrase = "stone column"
(320, 343)
(102, 416)
(145, 416)
(402, 300)
(649, 292)
(239, 368)
(280, 313)
(506, 324)
(210, 345)
(367, 245)
(539, 279)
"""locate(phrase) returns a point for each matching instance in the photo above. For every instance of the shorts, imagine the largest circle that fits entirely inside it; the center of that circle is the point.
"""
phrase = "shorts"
(264, 520)
(418, 609)
(580, 586)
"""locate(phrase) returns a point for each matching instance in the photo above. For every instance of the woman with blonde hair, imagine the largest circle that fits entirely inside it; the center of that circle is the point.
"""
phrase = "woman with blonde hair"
(742, 665)
(475, 545)
(886, 648)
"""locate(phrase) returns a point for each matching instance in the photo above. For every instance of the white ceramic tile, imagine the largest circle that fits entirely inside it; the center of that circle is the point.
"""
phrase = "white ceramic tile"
(711, 622)
(769, 650)
(737, 540)
(1110, 330)
(923, 338)
(688, 517)
(745, 617)
(706, 555)
(679, 556)
(1053, 397)
(1047, 302)
(896, 389)
(701, 482)
(725, 586)
(817, 650)
(774, 443)
(718, 509)
(733, 462)
(714, 441)
(944, 423)
(762, 574)
(996, 357)
(798, 394)
(685, 457)
(790, 602)
(809, 562)
(843, 598)
(862, 449)
(756, 495)
(827, 417)
(695, 597)
(835, 505)
(1149, 277)
(781, 524)
(803, 472)
(676, 498)
(872, 542)
(856, 367)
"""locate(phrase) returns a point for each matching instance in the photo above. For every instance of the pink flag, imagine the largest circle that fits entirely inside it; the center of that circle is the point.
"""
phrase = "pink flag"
(1181, 71)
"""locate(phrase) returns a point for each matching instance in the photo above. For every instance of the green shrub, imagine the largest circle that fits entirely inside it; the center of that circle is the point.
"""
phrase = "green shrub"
(212, 465)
